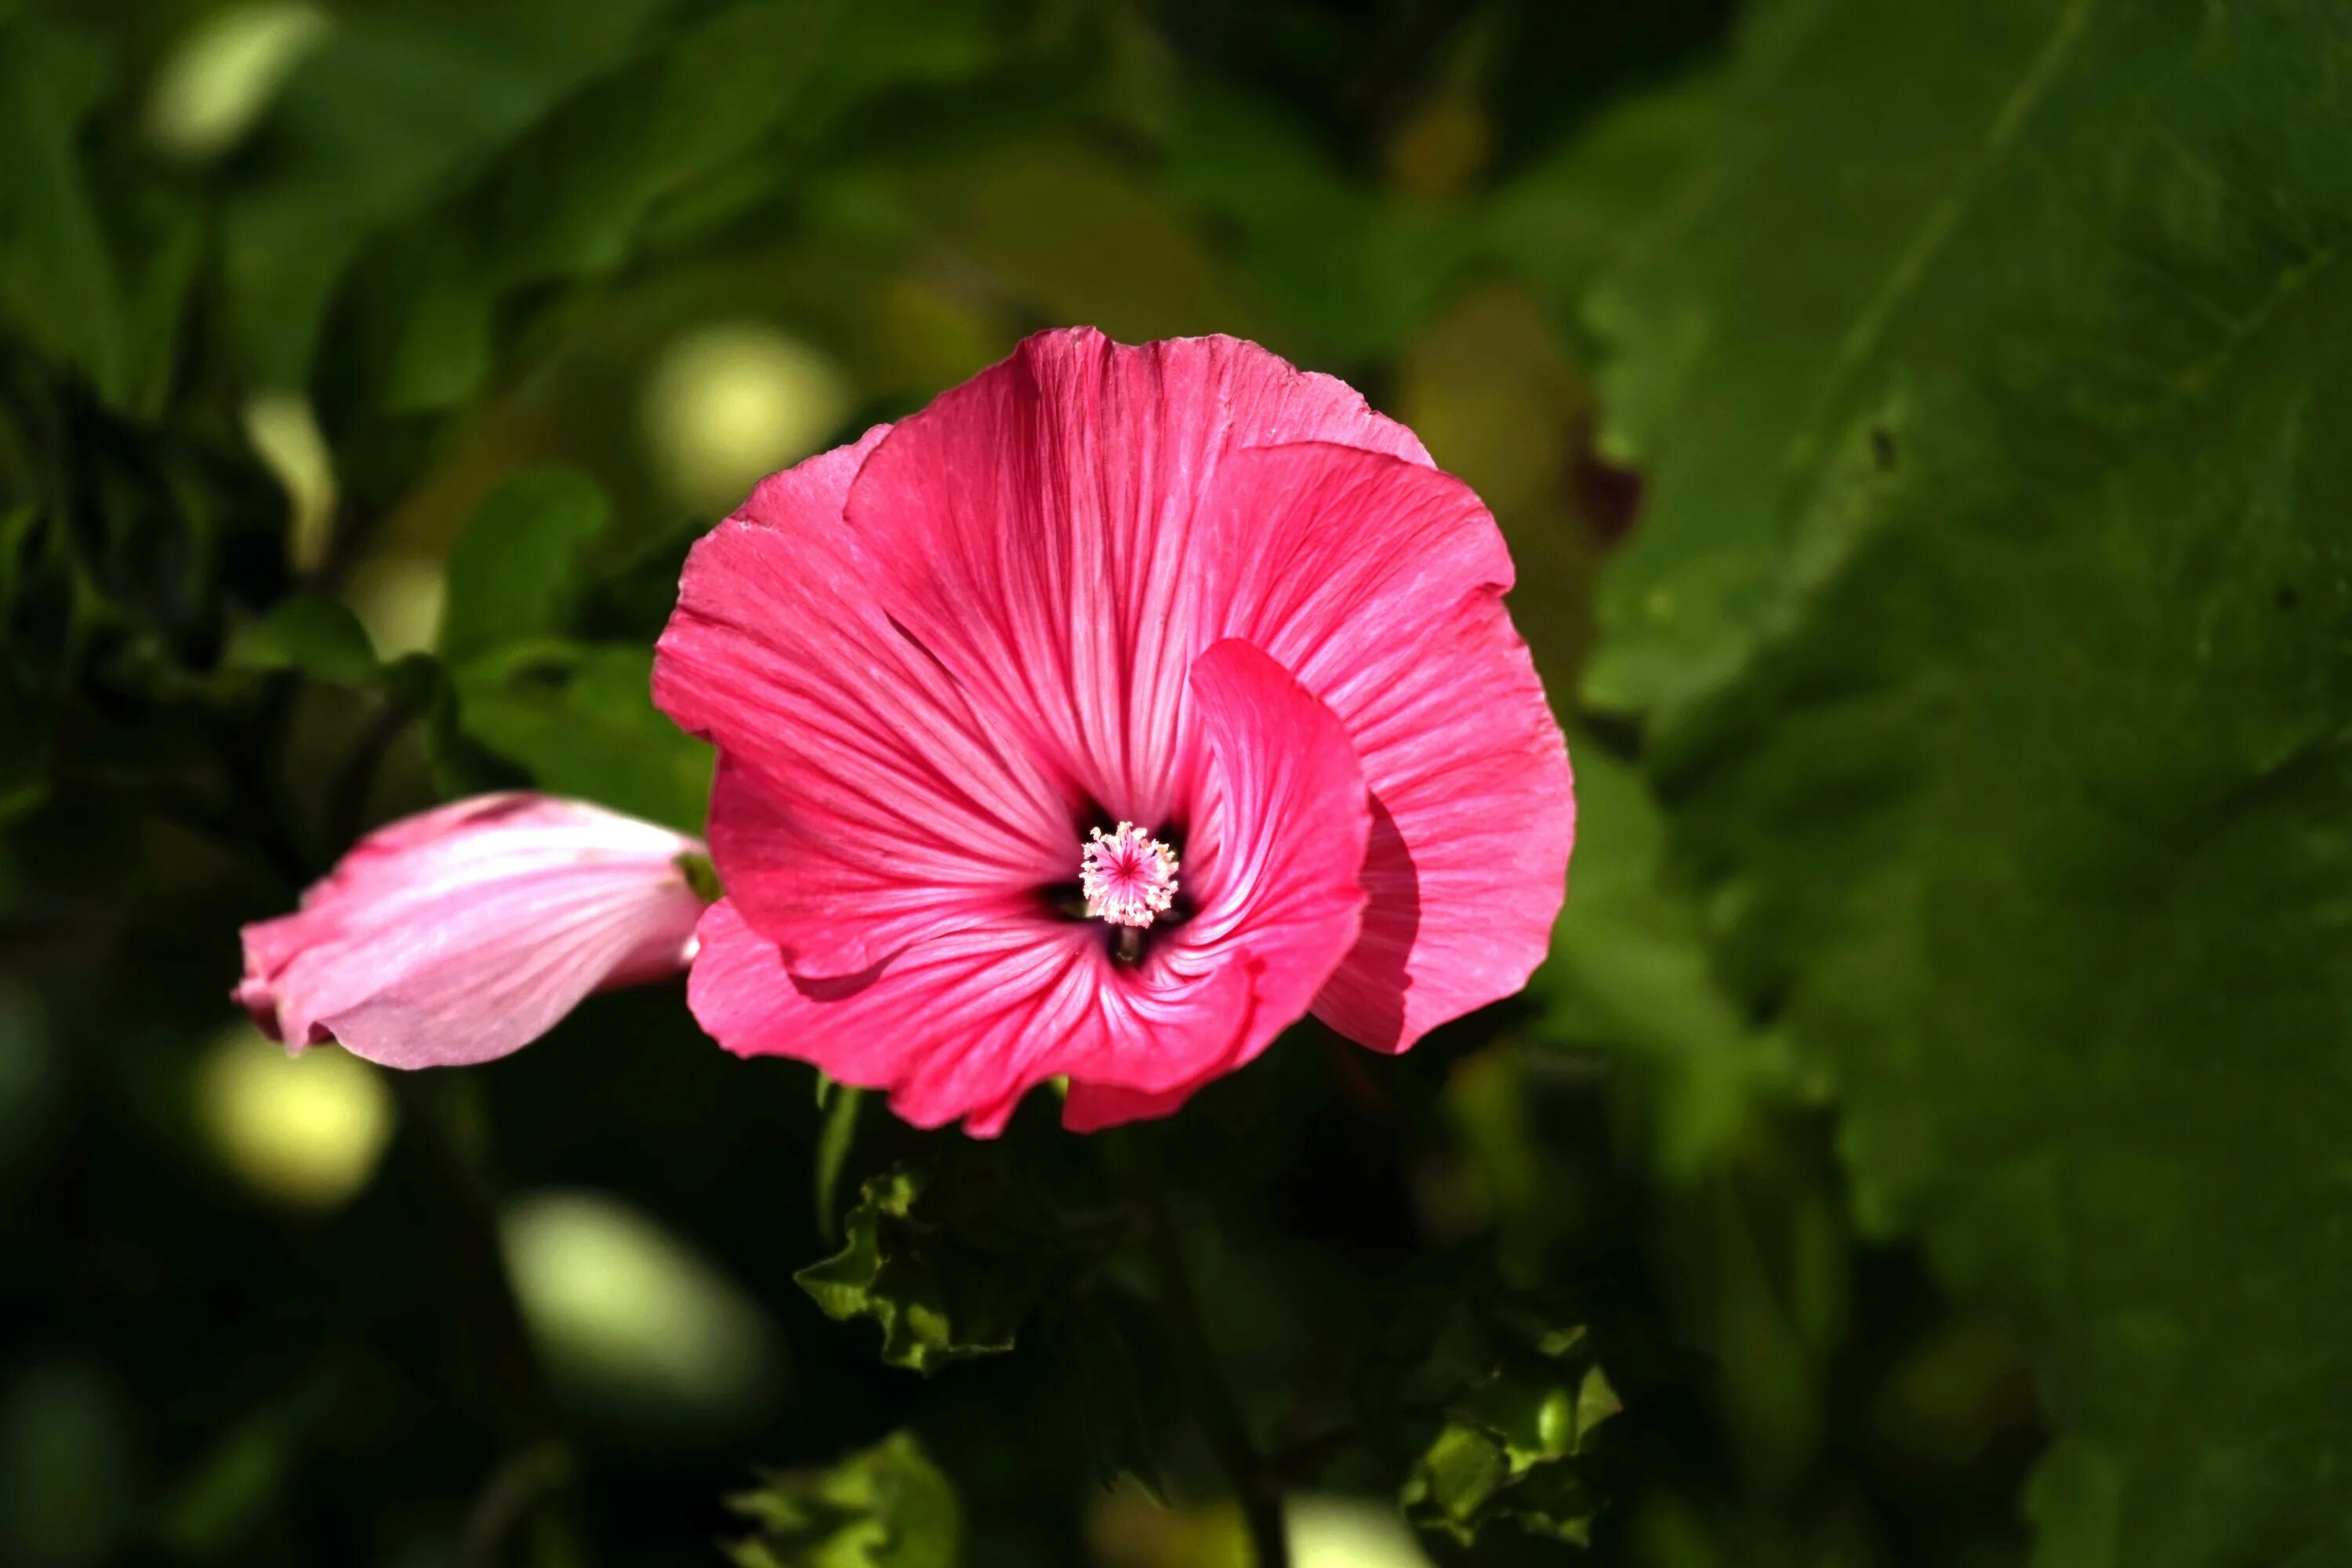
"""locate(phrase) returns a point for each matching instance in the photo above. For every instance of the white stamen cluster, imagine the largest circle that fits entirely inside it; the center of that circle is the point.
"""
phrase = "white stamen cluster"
(1127, 876)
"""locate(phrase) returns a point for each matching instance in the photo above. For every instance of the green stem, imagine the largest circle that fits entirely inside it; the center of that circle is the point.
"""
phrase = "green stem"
(1255, 1488)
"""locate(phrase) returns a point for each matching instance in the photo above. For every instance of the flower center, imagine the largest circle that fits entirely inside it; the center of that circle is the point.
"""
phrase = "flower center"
(1127, 876)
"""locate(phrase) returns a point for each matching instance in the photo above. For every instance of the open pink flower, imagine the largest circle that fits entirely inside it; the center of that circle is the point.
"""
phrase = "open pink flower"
(1098, 721)
(465, 933)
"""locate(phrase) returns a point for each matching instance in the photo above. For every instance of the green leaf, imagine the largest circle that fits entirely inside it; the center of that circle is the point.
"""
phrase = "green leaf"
(391, 113)
(1994, 620)
(887, 1506)
(59, 280)
(568, 198)
(580, 721)
(702, 129)
(517, 571)
(574, 717)
(317, 636)
(1630, 975)
(1509, 1447)
(944, 1265)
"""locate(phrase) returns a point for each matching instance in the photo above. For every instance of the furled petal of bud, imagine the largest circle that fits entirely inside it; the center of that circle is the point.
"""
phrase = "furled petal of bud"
(465, 933)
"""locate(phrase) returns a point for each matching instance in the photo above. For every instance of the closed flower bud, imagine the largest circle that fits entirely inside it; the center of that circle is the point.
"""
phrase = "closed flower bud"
(466, 932)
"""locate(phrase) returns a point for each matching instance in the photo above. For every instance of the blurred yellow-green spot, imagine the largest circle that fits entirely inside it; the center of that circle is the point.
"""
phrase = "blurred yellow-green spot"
(729, 403)
(1128, 1530)
(633, 1321)
(931, 334)
(211, 89)
(286, 436)
(307, 1130)
(398, 599)
(1441, 151)
(1956, 1391)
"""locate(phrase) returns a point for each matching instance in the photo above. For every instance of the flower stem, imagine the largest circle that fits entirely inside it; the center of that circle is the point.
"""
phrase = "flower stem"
(1255, 1488)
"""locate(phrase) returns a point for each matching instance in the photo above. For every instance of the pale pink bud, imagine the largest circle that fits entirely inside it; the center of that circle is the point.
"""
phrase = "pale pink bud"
(466, 932)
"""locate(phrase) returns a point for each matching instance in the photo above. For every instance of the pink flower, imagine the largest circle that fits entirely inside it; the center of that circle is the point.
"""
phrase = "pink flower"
(1100, 720)
(466, 932)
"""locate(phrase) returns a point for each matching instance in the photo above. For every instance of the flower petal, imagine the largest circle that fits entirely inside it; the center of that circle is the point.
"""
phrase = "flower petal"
(965, 1022)
(862, 803)
(465, 933)
(1281, 840)
(962, 1025)
(1092, 1106)
(1379, 583)
(1036, 532)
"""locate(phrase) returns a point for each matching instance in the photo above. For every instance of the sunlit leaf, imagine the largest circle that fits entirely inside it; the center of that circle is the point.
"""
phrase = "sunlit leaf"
(1510, 1442)
(887, 1507)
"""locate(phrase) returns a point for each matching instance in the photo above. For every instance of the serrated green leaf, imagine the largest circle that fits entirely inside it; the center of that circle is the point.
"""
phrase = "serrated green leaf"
(317, 636)
(1991, 619)
(946, 1267)
(579, 721)
(519, 567)
(887, 1506)
(1509, 1447)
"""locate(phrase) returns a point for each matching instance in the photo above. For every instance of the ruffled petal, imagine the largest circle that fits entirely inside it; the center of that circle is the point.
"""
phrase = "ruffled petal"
(1037, 530)
(862, 803)
(1379, 583)
(465, 933)
(965, 1022)
(961, 1025)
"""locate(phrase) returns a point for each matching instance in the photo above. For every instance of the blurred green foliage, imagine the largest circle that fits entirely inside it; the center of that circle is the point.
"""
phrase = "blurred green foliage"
(1915, 426)
(887, 1507)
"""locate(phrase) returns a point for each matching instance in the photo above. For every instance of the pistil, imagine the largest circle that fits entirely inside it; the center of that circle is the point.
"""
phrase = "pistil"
(1128, 876)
